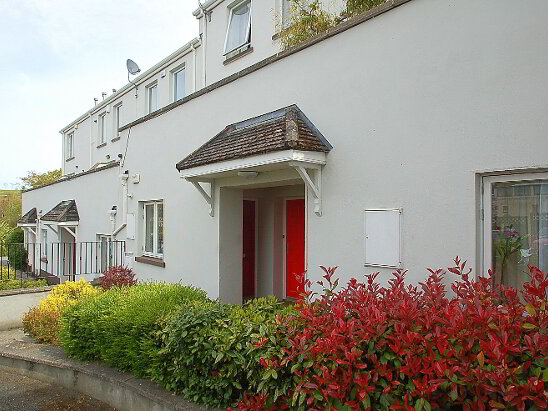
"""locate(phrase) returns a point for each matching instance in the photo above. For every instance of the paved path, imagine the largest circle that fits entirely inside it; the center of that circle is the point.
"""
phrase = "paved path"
(20, 393)
(121, 387)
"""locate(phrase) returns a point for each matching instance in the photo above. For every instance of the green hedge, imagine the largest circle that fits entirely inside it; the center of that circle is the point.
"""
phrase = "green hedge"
(212, 352)
(118, 326)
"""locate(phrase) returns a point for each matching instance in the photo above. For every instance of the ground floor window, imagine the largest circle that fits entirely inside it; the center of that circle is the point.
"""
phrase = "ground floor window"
(515, 226)
(106, 252)
(153, 230)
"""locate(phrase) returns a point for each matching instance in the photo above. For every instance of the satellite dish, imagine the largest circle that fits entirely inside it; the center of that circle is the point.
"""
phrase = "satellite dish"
(132, 67)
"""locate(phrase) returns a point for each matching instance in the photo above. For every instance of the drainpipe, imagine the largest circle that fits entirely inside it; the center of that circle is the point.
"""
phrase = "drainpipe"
(194, 68)
(123, 180)
(206, 15)
(90, 141)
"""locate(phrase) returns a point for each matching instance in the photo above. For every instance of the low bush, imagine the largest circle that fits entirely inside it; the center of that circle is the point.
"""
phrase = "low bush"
(412, 348)
(212, 351)
(44, 321)
(117, 276)
(15, 284)
(118, 326)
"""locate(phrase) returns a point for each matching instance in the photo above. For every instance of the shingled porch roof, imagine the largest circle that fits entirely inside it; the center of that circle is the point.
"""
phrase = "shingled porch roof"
(284, 129)
(63, 212)
(29, 217)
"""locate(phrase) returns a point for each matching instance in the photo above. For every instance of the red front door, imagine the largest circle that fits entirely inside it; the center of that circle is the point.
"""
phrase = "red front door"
(248, 258)
(295, 241)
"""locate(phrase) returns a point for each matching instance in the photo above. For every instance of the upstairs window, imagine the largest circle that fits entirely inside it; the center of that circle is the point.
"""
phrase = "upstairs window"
(117, 113)
(69, 146)
(239, 27)
(152, 98)
(179, 84)
(102, 129)
(153, 231)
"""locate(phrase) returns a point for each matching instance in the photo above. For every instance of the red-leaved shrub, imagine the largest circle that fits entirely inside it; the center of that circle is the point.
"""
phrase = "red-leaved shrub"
(411, 348)
(117, 276)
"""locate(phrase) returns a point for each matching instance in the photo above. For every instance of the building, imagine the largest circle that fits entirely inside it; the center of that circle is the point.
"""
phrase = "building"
(395, 140)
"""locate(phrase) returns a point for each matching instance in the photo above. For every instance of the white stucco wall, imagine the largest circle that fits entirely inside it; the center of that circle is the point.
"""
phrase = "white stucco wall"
(415, 102)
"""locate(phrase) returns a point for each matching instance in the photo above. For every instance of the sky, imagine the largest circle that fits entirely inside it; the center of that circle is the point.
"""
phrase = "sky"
(57, 55)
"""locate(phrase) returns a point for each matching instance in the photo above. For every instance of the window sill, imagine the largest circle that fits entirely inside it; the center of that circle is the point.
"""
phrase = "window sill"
(232, 56)
(69, 159)
(280, 33)
(102, 145)
(158, 262)
(115, 139)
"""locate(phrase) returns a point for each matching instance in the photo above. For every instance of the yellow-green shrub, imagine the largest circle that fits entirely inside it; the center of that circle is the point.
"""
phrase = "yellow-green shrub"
(44, 321)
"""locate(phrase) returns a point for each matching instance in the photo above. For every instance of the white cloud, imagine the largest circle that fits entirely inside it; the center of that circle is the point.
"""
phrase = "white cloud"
(56, 55)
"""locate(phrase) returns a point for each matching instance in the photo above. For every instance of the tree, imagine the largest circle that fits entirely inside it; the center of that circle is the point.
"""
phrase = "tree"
(34, 179)
(10, 207)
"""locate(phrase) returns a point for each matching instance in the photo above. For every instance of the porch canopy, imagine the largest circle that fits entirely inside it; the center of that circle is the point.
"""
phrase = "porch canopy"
(284, 138)
(63, 215)
(29, 219)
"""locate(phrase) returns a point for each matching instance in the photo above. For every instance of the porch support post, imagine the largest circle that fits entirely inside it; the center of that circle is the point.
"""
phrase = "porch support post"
(314, 182)
(209, 198)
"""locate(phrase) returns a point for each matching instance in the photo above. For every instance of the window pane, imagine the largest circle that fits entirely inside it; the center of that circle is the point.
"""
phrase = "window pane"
(237, 30)
(519, 230)
(102, 129)
(152, 99)
(285, 13)
(117, 123)
(160, 229)
(104, 254)
(179, 85)
(149, 228)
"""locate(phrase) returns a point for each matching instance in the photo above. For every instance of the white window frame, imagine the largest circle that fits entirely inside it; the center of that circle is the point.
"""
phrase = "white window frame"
(149, 89)
(284, 24)
(109, 245)
(102, 126)
(486, 243)
(44, 240)
(174, 82)
(69, 148)
(152, 254)
(116, 119)
(248, 31)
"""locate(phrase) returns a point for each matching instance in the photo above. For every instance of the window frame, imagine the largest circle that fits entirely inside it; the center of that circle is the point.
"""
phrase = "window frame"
(284, 24)
(248, 30)
(154, 253)
(149, 88)
(69, 148)
(486, 204)
(116, 119)
(102, 127)
(44, 241)
(174, 73)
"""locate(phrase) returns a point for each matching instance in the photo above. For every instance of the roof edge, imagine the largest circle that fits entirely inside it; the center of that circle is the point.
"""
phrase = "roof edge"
(72, 177)
(340, 28)
(180, 52)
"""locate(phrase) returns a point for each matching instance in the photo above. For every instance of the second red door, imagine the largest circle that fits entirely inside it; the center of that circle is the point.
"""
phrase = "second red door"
(295, 247)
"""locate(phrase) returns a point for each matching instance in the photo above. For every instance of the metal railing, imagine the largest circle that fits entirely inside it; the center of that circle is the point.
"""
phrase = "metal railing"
(61, 261)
